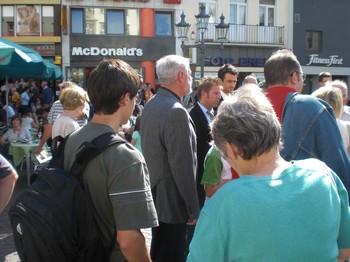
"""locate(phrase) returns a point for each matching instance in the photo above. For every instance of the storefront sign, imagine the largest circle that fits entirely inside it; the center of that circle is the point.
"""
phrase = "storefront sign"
(97, 51)
(331, 60)
(252, 61)
(43, 49)
(219, 61)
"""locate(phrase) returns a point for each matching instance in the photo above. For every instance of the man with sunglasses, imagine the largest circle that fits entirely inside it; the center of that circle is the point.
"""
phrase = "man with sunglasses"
(309, 126)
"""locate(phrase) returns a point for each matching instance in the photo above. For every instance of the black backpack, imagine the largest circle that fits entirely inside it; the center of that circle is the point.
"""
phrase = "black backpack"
(52, 220)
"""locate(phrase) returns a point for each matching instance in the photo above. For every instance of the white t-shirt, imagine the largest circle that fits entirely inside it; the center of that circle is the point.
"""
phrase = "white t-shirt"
(27, 122)
(63, 126)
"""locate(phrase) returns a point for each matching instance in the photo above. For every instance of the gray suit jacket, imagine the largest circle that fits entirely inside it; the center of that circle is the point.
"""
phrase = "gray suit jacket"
(169, 147)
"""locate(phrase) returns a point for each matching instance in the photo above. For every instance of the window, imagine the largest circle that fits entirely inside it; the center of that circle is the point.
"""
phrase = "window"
(313, 41)
(115, 22)
(210, 9)
(28, 20)
(77, 21)
(95, 21)
(8, 20)
(163, 23)
(99, 21)
(132, 22)
(238, 10)
(47, 20)
(267, 13)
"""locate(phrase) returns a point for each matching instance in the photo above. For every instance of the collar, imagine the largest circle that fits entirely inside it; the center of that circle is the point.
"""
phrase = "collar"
(277, 95)
(205, 111)
(162, 87)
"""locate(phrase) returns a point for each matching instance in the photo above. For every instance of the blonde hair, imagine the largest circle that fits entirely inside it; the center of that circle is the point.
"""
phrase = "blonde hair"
(332, 96)
(72, 97)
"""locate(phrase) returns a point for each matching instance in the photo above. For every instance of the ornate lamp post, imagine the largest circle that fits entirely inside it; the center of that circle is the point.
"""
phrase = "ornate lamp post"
(182, 31)
(202, 25)
(221, 32)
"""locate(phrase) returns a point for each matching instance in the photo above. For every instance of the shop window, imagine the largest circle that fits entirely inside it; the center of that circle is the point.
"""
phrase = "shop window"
(313, 42)
(76, 75)
(163, 23)
(115, 22)
(47, 24)
(77, 22)
(8, 20)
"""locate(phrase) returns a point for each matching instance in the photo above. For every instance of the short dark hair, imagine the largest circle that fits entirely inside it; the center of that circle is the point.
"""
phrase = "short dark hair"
(109, 82)
(279, 67)
(227, 68)
(323, 75)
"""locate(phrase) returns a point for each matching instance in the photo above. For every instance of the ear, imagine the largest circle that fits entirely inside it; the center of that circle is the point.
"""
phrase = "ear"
(125, 99)
(182, 76)
(294, 78)
(220, 82)
(232, 151)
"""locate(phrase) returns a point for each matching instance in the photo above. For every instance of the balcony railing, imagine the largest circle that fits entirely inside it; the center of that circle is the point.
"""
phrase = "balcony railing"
(247, 34)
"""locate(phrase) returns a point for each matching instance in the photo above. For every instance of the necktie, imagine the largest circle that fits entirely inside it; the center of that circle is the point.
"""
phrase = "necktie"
(211, 115)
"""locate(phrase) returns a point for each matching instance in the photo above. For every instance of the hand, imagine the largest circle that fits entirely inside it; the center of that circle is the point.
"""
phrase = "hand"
(38, 149)
(191, 222)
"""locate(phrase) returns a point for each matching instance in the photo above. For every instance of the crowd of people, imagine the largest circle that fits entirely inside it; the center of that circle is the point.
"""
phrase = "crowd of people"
(257, 171)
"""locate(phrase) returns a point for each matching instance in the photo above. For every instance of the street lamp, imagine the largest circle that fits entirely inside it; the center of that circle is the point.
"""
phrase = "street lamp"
(182, 31)
(202, 25)
(221, 31)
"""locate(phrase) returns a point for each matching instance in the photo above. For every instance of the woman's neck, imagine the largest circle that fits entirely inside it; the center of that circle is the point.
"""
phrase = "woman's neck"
(69, 113)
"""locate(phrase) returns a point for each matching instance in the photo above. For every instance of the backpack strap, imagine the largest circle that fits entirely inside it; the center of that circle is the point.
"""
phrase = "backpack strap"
(89, 150)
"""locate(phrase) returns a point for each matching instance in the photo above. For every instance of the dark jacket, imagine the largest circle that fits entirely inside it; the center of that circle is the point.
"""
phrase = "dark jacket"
(203, 146)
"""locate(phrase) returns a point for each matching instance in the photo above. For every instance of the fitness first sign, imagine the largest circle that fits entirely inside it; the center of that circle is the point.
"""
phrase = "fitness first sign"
(97, 51)
(332, 60)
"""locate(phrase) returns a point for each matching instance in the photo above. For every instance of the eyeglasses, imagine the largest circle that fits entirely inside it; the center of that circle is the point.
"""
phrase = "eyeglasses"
(300, 73)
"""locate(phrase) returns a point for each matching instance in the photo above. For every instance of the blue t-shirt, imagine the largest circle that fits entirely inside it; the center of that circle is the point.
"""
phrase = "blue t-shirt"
(297, 215)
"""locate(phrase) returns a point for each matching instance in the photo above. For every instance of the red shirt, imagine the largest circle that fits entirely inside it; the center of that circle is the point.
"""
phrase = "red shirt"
(277, 95)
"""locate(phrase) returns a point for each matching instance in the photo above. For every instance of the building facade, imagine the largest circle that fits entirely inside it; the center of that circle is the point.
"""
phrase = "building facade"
(138, 32)
(34, 24)
(78, 34)
(321, 40)
(257, 28)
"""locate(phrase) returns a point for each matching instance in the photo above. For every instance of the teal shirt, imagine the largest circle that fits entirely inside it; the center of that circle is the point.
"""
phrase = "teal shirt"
(136, 136)
(298, 215)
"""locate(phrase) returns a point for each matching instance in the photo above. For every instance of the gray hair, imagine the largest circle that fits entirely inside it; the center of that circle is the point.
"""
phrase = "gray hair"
(248, 121)
(169, 66)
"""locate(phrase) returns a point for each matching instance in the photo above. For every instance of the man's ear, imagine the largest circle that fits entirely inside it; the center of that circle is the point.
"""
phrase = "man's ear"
(294, 78)
(182, 76)
(220, 82)
(125, 99)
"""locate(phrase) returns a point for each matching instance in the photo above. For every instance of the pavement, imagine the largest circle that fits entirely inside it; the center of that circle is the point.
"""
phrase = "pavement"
(7, 247)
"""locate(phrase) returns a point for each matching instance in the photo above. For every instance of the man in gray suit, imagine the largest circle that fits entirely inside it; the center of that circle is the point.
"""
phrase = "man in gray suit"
(169, 147)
